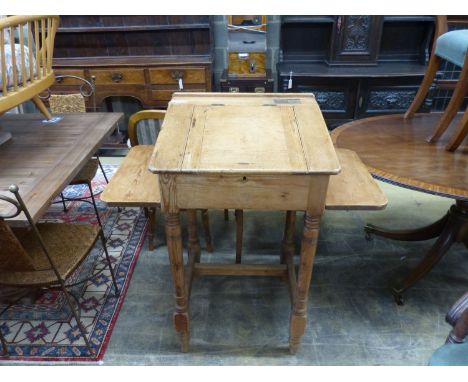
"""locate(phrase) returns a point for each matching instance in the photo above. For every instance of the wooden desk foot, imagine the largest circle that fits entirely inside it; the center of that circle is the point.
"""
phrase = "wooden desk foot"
(298, 318)
(174, 246)
(181, 322)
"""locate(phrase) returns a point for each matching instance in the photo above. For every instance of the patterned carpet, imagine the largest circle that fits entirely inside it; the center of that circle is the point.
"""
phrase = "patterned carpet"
(43, 328)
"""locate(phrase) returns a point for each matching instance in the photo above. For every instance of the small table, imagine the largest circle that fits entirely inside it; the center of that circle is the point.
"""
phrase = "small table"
(42, 158)
(243, 151)
(395, 150)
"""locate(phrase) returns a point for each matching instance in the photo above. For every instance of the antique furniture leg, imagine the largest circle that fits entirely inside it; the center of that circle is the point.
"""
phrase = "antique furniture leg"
(454, 228)
(206, 228)
(194, 250)
(298, 318)
(42, 108)
(174, 247)
(459, 134)
(239, 234)
(151, 228)
(431, 71)
(419, 234)
(454, 105)
(288, 237)
(449, 229)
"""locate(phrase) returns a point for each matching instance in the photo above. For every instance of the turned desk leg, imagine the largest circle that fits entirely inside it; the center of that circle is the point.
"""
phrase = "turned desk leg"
(298, 318)
(174, 246)
(287, 246)
(239, 234)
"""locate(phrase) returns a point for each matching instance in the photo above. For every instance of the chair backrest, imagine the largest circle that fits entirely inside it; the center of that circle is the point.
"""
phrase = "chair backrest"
(26, 51)
(140, 116)
(13, 257)
(72, 102)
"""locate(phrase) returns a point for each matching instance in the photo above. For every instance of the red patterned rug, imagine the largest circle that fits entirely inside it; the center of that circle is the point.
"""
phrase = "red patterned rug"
(44, 330)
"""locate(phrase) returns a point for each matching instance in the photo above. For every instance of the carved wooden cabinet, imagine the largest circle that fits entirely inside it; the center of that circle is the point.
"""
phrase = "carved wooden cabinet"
(145, 57)
(358, 65)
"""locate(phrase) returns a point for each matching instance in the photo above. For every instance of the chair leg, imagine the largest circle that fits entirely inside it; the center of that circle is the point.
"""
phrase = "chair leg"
(114, 281)
(94, 204)
(459, 134)
(4, 344)
(102, 169)
(63, 202)
(206, 229)
(77, 318)
(42, 108)
(431, 71)
(454, 105)
(151, 228)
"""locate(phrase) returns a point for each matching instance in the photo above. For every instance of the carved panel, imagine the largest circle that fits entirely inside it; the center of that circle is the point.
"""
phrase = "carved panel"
(390, 99)
(356, 34)
(330, 100)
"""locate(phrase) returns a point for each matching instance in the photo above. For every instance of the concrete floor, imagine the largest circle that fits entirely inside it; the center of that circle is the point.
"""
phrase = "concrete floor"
(353, 319)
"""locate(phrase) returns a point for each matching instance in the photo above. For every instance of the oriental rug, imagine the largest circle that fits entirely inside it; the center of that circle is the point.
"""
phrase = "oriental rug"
(43, 328)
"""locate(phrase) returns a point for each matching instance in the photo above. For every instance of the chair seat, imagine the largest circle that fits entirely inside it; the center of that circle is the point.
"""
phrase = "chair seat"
(87, 173)
(450, 355)
(452, 46)
(68, 245)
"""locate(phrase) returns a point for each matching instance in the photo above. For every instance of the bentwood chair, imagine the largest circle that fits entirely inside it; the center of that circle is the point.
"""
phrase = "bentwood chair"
(45, 255)
(136, 134)
(453, 47)
(75, 103)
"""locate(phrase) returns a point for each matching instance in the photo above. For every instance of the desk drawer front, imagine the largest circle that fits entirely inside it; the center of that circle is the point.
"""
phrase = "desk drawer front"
(118, 76)
(288, 192)
(170, 76)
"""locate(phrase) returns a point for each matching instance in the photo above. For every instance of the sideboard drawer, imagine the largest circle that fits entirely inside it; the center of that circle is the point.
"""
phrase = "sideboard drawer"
(68, 81)
(166, 76)
(166, 94)
(118, 76)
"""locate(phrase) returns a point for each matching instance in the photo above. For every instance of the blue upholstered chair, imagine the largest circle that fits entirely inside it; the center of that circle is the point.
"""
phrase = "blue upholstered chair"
(455, 350)
(453, 47)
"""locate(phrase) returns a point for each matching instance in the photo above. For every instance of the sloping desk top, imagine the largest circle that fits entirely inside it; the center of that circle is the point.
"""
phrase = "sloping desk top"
(43, 158)
(244, 133)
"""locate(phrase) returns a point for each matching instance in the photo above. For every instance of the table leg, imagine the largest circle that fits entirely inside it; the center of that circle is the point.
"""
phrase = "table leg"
(174, 247)
(298, 318)
(424, 233)
(239, 234)
(288, 237)
(455, 229)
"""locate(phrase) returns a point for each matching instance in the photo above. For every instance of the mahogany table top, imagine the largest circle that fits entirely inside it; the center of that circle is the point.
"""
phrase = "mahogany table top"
(396, 150)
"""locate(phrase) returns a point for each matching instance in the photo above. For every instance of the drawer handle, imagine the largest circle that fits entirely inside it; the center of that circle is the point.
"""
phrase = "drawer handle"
(234, 89)
(59, 79)
(259, 89)
(177, 75)
(117, 77)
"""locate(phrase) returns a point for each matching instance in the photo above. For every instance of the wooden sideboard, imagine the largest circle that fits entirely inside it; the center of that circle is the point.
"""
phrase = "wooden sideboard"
(145, 57)
(357, 66)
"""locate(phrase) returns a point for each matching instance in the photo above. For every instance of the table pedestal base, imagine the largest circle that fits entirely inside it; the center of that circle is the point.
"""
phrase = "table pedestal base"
(453, 227)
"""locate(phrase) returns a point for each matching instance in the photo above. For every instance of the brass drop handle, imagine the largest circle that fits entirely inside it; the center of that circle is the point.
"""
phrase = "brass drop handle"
(59, 79)
(117, 77)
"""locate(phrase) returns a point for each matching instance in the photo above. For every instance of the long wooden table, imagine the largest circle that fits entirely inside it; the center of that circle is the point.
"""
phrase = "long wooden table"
(42, 158)
(249, 151)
